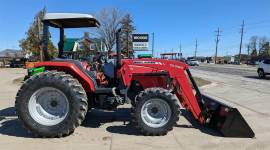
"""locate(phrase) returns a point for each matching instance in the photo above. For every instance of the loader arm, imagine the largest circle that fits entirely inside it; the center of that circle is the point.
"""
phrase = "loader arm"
(206, 110)
(187, 98)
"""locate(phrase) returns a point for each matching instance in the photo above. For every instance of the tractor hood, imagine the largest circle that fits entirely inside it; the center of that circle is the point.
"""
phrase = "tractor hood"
(154, 66)
(156, 63)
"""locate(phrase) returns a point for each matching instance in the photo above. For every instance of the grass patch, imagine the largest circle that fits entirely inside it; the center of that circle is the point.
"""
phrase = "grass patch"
(201, 82)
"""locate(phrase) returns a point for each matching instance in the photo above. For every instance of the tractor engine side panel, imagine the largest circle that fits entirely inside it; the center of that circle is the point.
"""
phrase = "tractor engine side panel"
(151, 81)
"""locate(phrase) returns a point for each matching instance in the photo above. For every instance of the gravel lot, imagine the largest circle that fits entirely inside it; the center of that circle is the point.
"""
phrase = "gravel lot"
(112, 131)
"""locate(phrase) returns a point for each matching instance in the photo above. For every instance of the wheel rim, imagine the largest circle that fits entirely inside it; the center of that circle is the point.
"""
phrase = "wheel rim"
(156, 113)
(48, 106)
(261, 73)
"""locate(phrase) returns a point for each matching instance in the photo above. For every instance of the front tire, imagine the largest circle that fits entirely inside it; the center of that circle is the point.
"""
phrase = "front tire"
(156, 112)
(51, 104)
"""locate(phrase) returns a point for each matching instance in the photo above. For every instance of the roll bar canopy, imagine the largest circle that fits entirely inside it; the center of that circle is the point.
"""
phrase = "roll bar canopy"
(62, 21)
(70, 20)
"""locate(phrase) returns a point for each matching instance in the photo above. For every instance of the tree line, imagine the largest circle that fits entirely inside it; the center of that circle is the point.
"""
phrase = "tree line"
(258, 47)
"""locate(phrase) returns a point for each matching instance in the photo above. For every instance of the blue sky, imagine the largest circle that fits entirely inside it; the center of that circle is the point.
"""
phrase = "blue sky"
(173, 21)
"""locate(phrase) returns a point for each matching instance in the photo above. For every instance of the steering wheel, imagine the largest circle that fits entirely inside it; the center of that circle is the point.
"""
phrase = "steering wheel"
(102, 59)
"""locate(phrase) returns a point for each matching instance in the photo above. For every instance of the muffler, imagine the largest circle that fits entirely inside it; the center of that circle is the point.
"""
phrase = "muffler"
(226, 119)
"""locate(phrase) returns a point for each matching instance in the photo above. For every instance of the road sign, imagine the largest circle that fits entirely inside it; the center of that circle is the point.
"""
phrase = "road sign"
(140, 42)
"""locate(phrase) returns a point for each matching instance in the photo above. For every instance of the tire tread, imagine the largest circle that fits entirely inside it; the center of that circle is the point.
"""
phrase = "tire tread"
(73, 85)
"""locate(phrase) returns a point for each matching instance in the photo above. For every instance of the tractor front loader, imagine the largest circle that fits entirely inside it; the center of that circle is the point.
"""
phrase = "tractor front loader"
(58, 92)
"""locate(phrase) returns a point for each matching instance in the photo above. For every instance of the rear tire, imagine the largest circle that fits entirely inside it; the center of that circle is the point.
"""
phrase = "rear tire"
(261, 73)
(51, 104)
(156, 112)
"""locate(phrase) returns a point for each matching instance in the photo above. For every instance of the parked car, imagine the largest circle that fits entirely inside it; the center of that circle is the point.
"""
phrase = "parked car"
(264, 68)
(193, 62)
(17, 63)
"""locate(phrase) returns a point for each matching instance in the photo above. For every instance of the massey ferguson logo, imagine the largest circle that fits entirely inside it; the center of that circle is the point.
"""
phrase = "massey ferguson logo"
(176, 66)
(147, 62)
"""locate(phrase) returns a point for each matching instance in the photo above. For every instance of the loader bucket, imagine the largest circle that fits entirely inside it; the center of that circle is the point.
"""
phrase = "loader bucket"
(226, 119)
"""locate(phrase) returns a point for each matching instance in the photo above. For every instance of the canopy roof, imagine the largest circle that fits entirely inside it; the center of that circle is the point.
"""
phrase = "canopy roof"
(70, 20)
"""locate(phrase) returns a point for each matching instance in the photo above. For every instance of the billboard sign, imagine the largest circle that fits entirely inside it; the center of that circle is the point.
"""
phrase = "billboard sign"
(140, 42)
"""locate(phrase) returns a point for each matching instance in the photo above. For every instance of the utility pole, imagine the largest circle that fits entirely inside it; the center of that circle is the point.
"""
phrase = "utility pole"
(196, 47)
(217, 41)
(153, 43)
(180, 51)
(248, 49)
(242, 33)
(127, 44)
(172, 54)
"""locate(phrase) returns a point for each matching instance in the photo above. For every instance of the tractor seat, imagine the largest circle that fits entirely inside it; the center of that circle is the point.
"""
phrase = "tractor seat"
(109, 68)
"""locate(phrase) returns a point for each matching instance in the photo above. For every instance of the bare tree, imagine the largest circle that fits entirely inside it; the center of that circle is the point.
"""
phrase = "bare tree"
(248, 48)
(109, 23)
(253, 45)
(262, 42)
(253, 42)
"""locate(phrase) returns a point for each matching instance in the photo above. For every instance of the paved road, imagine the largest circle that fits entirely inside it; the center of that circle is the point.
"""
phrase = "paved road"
(112, 131)
(245, 71)
(250, 95)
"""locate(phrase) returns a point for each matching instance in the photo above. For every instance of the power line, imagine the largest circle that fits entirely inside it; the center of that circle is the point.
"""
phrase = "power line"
(231, 46)
(258, 27)
(258, 22)
(262, 22)
(217, 41)
(247, 25)
(241, 40)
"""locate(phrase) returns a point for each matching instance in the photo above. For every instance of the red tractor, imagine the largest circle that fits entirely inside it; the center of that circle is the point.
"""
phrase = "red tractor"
(58, 92)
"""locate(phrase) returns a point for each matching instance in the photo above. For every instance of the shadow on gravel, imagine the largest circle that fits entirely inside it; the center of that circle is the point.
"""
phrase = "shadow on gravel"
(97, 118)
(127, 129)
(256, 77)
(196, 125)
(10, 125)
(8, 112)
